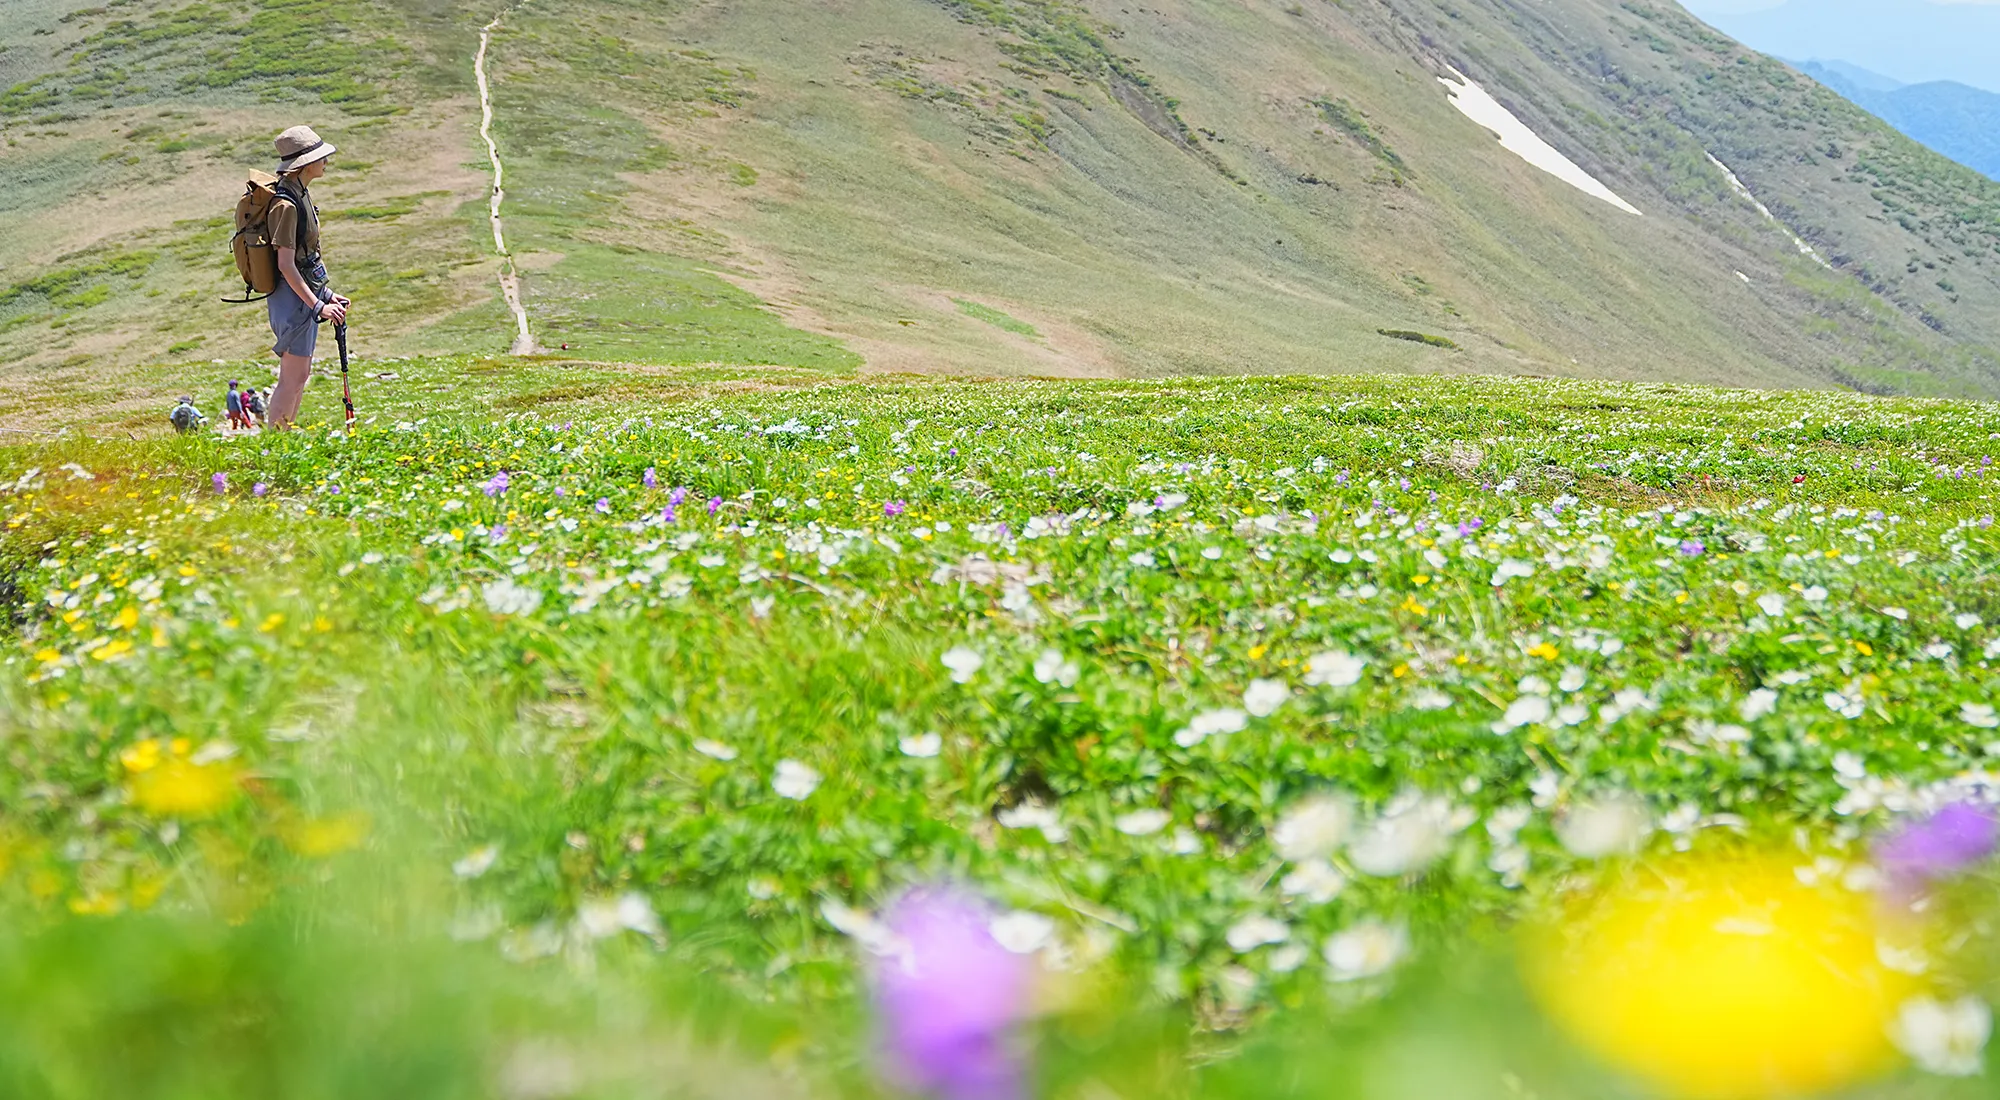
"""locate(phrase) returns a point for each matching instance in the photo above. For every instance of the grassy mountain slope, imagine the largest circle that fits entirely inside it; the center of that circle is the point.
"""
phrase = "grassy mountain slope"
(998, 186)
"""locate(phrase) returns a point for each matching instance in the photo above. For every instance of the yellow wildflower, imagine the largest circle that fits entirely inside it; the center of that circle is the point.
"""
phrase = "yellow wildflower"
(1723, 980)
(1411, 605)
(1257, 652)
(319, 838)
(142, 757)
(271, 622)
(1864, 649)
(127, 618)
(182, 788)
(1545, 651)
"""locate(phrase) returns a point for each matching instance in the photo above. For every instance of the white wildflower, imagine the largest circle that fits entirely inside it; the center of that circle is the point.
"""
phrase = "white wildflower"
(1573, 679)
(1021, 932)
(1945, 1038)
(597, 918)
(1843, 704)
(1757, 704)
(1410, 834)
(1365, 950)
(1814, 594)
(1034, 815)
(1334, 669)
(862, 927)
(1313, 828)
(1051, 668)
(923, 746)
(476, 862)
(1511, 568)
(794, 780)
(1251, 933)
(1314, 880)
(1263, 697)
(963, 662)
(1896, 613)
(1981, 715)
(504, 597)
(1211, 723)
(1143, 822)
(1614, 825)
(1528, 710)
(716, 749)
(1966, 621)
(1771, 604)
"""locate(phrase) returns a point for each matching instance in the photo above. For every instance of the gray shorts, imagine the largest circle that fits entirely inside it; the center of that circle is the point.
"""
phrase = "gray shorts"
(293, 322)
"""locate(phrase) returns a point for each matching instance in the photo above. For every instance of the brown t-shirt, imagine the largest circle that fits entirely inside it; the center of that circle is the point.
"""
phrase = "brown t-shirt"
(284, 219)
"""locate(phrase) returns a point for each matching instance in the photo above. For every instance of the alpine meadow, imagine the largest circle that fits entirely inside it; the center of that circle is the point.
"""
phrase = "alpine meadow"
(989, 549)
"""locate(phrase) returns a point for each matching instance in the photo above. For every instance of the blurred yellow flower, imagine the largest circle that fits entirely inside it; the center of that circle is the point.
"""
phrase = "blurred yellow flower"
(1722, 980)
(182, 788)
(1545, 651)
(142, 757)
(319, 838)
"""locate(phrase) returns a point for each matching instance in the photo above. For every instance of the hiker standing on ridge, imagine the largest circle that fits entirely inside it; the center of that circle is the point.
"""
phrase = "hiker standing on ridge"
(302, 298)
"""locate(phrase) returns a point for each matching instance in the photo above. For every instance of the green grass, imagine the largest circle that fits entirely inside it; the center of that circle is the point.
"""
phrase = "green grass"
(397, 682)
(998, 319)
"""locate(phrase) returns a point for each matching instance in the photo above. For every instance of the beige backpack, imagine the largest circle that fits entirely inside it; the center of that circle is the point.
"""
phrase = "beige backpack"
(256, 253)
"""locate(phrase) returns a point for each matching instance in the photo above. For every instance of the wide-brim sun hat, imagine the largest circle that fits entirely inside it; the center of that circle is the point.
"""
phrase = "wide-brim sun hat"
(299, 146)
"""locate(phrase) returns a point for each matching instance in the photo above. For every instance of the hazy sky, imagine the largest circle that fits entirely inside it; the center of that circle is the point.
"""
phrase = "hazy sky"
(1910, 40)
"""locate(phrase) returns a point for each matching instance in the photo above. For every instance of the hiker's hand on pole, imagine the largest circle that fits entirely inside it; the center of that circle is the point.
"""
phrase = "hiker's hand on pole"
(335, 311)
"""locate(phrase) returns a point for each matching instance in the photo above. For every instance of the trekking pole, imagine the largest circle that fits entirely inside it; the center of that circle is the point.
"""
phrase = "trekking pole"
(346, 394)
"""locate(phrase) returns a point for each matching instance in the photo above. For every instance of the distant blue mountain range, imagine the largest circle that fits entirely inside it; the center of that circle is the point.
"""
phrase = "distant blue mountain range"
(1960, 121)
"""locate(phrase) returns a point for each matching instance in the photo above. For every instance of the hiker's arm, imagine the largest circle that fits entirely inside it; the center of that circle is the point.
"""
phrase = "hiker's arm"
(288, 267)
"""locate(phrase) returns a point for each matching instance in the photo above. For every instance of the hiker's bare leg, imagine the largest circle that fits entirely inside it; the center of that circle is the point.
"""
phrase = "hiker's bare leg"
(293, 370)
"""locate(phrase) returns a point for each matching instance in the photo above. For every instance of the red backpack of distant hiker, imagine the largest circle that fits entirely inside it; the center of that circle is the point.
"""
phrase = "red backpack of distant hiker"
(256, 253)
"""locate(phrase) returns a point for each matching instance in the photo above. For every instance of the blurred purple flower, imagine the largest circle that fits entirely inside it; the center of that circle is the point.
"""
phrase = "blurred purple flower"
(497, 533)
(894, 508)
(561, 492)
(679, 494)
(714, 505)
(221, 483)
(259, 489)
(603, 506)
(1693, 548)
(667, 514)
(949, 1000)
(498, 485)
(1947, 841)
(650, 479)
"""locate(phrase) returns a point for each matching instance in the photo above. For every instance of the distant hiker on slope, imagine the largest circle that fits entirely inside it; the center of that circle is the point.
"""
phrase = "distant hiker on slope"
(185, 417)
(302, 298)
(232, 403)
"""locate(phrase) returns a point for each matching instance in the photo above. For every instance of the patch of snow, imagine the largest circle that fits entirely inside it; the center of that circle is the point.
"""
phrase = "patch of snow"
(1743, 192)
(1515, 137)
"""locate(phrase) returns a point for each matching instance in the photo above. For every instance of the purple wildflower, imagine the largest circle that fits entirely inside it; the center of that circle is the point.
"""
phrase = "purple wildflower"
(1948, 841)
(497, 533)
(1403, 483)
(603, 506)
(714, 505)
(498, 485)
(894, 508)
(949, 1000)
(667, 514)
(259, 489)
(221, 482)
(1340, 478)
(679, 494)
(561, 492)
(1693, 548)
(651, 480)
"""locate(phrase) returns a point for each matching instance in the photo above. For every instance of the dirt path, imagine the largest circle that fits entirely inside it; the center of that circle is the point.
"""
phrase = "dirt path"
(510, 276)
